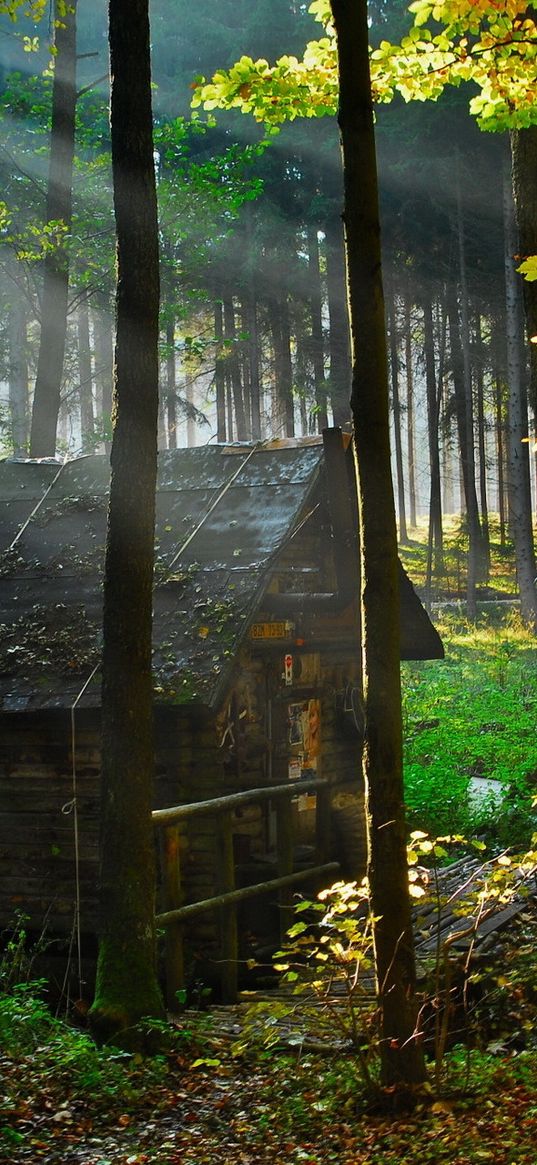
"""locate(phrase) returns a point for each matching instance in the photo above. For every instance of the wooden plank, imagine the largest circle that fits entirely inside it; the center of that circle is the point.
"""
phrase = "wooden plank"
(215, 804)
(229, 943)
(171, 871)
(285, 853)
(194, 908)
(323, 817)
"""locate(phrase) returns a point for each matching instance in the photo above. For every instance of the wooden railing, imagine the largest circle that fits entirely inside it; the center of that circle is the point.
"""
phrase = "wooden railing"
(226, 901)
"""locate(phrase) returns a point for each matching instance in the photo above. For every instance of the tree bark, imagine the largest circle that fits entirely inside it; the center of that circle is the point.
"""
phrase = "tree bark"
(500, 452)
(18, 374)
(482, 446)
(171, 385)
(127, 988)
(435, 541)
(104, 360)
(396, 401)
(524, 177)
(317, 339)
(520, 510)
(233, 368)
(219, 372)
(253, 356)
(284, 418)
(59, 207)
(338, 342)
(475, 546)
(411, 440)
(466, 444)
(251, 327)
(87, 418)
(402, 1055)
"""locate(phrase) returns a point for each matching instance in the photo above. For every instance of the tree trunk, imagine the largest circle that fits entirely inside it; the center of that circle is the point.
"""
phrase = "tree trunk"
(317, 339)
(435, 541)
(482, 446)
(87, 418)
(233, 369)
(48, 380)
(475, 545)
(249, 310)
(126, 988)
(219, 372)
(284, 420)
(524, 176)
(396, 401)
(253, 356)
(171, 385)
(402, 1055)
(411, 440)
(104, 360)
(338, 343)
(517, 423)
(18, 374)
(500, 453)
(466, 443)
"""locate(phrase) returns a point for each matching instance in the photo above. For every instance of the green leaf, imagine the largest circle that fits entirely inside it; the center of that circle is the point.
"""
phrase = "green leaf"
(529, 268)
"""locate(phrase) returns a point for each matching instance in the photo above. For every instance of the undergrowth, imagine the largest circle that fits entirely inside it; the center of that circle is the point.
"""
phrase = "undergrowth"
(468, 720)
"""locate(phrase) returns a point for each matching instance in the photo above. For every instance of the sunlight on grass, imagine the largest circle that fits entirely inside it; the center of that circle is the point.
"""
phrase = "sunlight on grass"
(471, 717)
(450, 580)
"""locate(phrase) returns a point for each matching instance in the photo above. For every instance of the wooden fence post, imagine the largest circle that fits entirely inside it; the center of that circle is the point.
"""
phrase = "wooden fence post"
(323, 811)
(229, 947)
(285, 852)
(171, 855)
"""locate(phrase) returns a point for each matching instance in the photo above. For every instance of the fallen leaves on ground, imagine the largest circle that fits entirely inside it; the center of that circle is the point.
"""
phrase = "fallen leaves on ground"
(279, 1111)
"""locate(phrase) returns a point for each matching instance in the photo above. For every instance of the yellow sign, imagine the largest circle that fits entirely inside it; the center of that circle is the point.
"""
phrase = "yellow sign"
(270, 630)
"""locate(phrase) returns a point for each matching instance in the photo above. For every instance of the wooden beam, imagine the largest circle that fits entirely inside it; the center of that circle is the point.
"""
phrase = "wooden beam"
(194, 908)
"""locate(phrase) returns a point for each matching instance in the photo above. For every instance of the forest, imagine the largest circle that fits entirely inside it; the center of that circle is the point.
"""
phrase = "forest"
(268, 420)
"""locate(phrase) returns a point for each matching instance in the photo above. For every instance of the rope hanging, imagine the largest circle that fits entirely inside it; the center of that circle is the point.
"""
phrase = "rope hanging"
(72, 807)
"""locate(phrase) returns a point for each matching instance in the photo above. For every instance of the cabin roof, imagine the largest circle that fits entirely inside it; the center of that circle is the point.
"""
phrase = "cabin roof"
(222, 516)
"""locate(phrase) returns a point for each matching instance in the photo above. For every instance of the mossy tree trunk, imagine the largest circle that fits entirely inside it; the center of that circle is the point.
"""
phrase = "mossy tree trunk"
(127, 986)
(402, 1056)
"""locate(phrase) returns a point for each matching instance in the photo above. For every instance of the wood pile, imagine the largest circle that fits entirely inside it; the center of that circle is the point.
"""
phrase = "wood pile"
(446, 918)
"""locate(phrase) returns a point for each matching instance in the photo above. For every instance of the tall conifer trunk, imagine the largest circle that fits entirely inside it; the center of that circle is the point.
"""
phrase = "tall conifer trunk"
(524, 175)
(87, 418)
(317, 340)
(48, 379)
(219, 370)
(435, 541)
(519, 489)
(126, 978)
(411, 450)
(402, 1056)
(18, 372)
(396, 402)
(338, 340)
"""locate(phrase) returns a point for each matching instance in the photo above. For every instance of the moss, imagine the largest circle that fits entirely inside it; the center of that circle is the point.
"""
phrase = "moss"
(126, 992)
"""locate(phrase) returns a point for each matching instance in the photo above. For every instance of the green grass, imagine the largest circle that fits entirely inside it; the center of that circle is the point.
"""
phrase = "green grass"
(472, 715)
(449, 581)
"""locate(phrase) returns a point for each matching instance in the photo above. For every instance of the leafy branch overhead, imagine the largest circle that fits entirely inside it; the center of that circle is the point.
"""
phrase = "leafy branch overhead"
(492, 45)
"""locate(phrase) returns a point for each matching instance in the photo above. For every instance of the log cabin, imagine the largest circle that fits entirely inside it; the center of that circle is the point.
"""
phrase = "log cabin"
(257, 676)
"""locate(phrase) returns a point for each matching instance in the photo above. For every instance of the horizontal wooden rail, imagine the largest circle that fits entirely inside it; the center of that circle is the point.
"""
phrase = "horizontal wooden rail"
(216, 804)
(227, 897)
(194, 908)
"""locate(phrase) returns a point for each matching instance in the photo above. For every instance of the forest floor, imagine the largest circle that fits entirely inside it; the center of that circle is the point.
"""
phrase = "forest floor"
(237, 1086)
(201, 1105)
